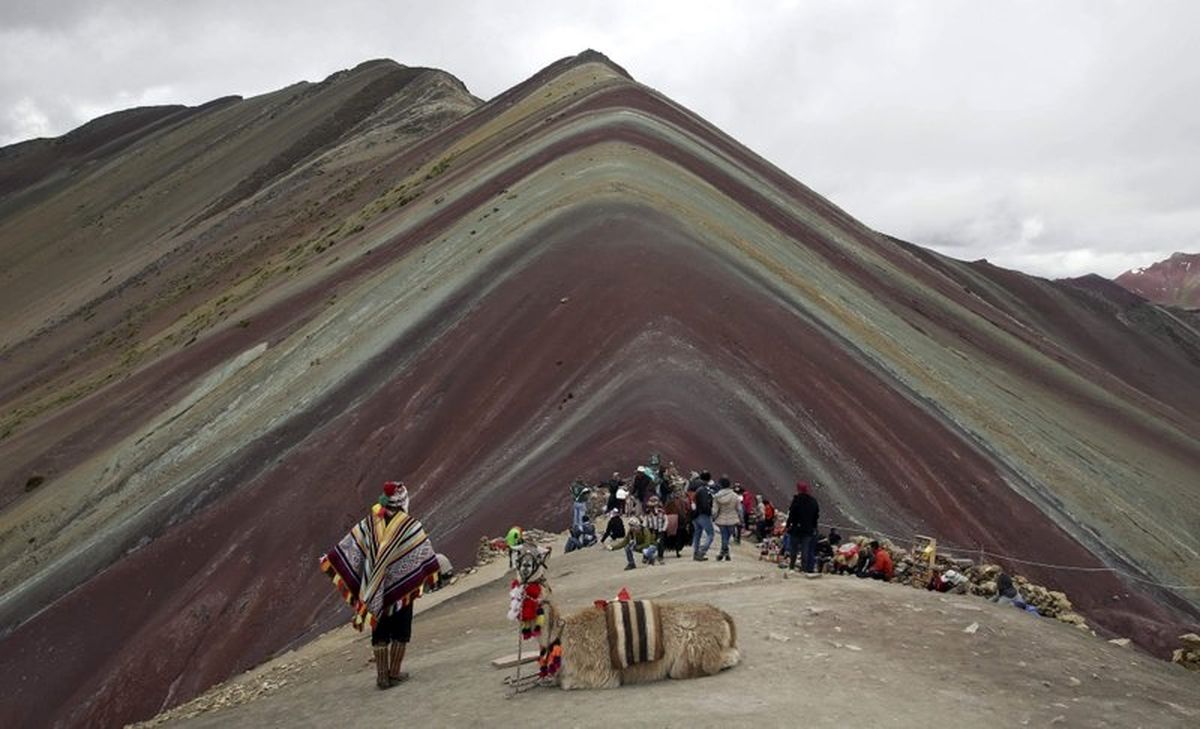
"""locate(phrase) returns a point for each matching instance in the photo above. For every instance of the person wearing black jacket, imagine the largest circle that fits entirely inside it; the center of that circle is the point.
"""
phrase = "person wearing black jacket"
(802, 519)
(702, 523)
(616, 527)
(614, 484)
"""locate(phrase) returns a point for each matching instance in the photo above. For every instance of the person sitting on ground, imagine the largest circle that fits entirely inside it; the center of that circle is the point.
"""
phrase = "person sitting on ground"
(825, 547)
(581, 537)
(881, 566)
(949, 581)
(766, 519)
(587, 534)
(615, 529)
(1007, 592)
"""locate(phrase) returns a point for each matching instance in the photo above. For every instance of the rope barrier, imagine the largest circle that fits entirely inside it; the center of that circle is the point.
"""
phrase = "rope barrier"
(958, 548)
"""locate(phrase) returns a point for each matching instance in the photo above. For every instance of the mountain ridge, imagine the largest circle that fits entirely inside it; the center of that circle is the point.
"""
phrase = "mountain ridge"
(512, 293)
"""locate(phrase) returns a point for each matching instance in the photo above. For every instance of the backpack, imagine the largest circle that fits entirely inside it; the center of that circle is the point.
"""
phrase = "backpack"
(769, 512)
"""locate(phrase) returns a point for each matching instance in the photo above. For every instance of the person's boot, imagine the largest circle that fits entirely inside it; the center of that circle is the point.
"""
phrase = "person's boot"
(381, 666)
(395, 675)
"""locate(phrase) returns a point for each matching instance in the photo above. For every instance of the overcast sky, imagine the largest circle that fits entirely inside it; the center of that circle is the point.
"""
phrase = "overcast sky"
(1058, 138)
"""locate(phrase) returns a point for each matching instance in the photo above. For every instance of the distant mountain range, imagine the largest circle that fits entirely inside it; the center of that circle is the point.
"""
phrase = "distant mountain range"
(1174, 281)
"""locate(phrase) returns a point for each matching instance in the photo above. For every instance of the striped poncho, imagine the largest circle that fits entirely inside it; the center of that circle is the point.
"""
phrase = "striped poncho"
(381, 565)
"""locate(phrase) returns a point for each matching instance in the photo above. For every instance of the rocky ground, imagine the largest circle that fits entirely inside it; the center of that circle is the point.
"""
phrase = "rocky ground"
(834, 651)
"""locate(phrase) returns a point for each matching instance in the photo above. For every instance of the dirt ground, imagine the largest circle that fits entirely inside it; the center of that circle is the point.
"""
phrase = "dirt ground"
(827, 652)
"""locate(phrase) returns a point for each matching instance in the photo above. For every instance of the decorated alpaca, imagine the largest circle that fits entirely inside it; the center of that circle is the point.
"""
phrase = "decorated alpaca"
(620, 642)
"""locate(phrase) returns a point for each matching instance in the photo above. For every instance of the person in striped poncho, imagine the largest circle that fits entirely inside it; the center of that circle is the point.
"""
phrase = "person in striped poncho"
(380, 567)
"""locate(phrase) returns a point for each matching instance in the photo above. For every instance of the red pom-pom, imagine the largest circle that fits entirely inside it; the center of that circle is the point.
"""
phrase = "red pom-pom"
(623, 595)
(389, 488)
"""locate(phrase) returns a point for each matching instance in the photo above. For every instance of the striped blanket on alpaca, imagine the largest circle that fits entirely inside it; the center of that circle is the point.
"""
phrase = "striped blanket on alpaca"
(634, 632)
(381, 565)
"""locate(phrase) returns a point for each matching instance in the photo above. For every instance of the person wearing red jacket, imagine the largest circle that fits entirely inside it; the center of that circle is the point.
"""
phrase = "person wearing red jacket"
(882, 567)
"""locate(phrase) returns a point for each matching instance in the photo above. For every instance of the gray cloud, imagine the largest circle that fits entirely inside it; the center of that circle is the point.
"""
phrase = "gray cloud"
(1055, 138)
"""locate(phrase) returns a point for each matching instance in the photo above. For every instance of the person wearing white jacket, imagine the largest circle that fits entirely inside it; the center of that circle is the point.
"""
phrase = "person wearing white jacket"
(725, 515)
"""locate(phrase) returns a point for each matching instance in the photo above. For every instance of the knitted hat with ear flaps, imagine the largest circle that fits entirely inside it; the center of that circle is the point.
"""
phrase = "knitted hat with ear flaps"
(397, 495)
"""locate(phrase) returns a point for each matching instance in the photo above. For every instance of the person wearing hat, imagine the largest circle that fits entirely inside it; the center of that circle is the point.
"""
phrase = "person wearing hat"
(380, 568)
(656, 521)
(640, 537)
(581, 493)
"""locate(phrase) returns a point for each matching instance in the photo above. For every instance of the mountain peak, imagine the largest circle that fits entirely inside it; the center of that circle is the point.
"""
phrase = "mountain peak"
(1173, 281)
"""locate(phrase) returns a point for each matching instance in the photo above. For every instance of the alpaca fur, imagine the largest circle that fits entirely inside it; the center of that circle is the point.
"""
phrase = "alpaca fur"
(699, 640)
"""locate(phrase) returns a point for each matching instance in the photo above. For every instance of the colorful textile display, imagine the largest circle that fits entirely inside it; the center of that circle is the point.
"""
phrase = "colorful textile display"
(634, 632)
(381, 565)
(550, 659)
(526, 606)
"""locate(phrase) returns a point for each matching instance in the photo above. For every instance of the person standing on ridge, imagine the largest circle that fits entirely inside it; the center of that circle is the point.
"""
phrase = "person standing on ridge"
(749, 511)
(725, 515)
(580, 493)
(614, 484)
(702, 509)
(380, 568)
(803, 515)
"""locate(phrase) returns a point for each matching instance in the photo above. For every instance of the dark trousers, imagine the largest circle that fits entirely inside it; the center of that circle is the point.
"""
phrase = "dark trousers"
(801, 544)
(394, 628)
